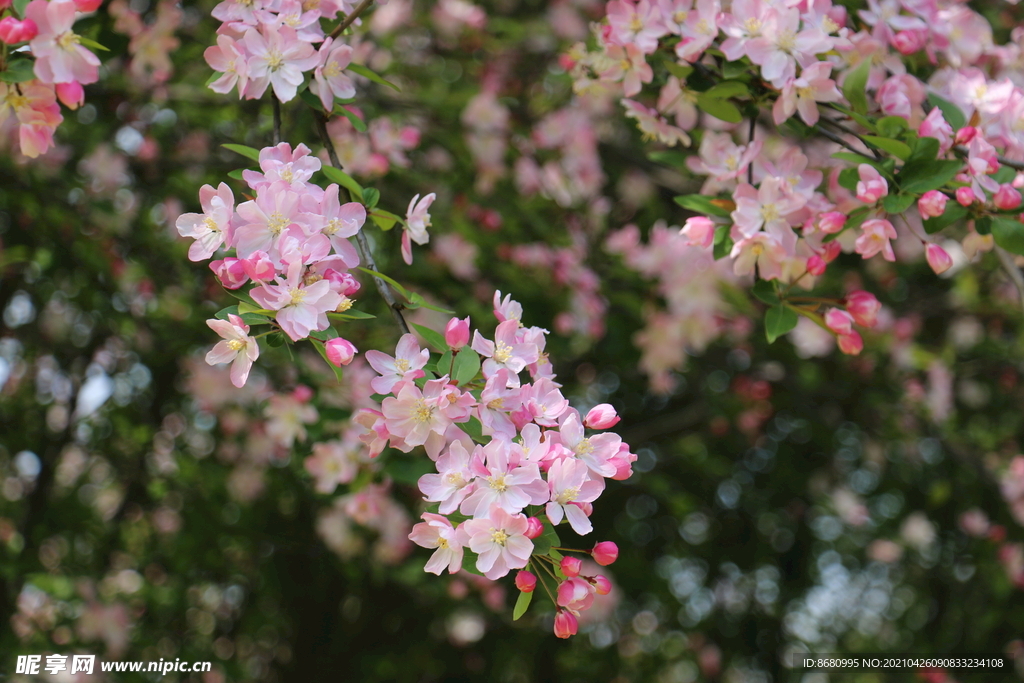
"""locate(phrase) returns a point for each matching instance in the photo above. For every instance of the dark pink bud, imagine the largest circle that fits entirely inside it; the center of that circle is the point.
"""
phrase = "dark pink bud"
(816, 265)
(864, 307)
(965, 135)
(851, 344)
(830, 250)
(699, 230)
(1006, 197)
(534, 528)
(259, 267)
(342, 283)
(230, 271)
(526, 581)
(14, 31)
(88, 5)
(71, 94)
(4, 4)
(831, 222)
(456, 333)
(839, 321)
(605, 553)
(565, 624)
(602, 585)
(302, 393)
(340, 351)
(938, 258)
(932, 204)
(571, 566)
(601, 416)
(965, 196)
(908, 42)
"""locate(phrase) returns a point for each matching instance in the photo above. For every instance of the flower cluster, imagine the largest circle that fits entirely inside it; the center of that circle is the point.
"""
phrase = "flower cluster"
(500, 446)
(291, 243)
(871, 169)
(272, 43)
(56, 66)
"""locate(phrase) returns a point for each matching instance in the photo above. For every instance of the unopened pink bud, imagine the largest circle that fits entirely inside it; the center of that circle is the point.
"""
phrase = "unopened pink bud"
(565, 624)
(864, 307)
(456, 333)
(1006, 197)
(816, 265)
(342, 283)
(259, 267)
(601, 416)
(938, 258)
(602, 584)
(872, 186)
(88, 5)
(71, 94)
(571, 566)
(965, 196)
(931, 204)
(605, 553)
(965, 135)
(302, 393)
(831, 222)
(4, 4)
(830, 250)
(699, 230)
(851, 344)
(908, 42)
(14, 31)
(534, 528)
(526, 581)
(340, 351)
(230, 271)
(839, 321)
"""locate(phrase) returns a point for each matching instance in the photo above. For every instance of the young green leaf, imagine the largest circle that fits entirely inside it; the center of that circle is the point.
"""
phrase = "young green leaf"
(322, 350)
(522, 603)
(952, 214)
(921, 176)
(18, 71)
(778, 320)
(435, 339)
(702, 204)
(1009, 234)
(248, 152)
(466, 366)
(951, 112)
(765, 291)
(855, 86)
(897, 203)
(344, 179)
(723, 110)
(363, 71)
(898, 149)
(371, 196)
(357, 122)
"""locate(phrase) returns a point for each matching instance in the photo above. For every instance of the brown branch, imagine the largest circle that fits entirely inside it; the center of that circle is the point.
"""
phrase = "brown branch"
(360, 8)
(362, 245)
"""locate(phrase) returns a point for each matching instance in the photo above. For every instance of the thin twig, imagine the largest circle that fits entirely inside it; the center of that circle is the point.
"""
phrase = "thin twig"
(1006, 260)
(360, 8)
(849, 131)
(277, 118)
(750, 141)
(362, 245)
(1018, 165)
(836, 139)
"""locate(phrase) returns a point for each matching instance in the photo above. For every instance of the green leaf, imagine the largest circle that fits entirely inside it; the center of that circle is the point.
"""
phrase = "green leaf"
(728, 89)
(247, 318)
(925, 149)
(248, 152)
(444, 364)
(277, 339)
(678, 70)
(1009, 234)
(723, 242)
(435, 339)
(469, 562)
(466, 366)
(319, 345)
(522, 603)
(242, 295)
(899, 149)
(474, 429)
(952, 214)
(543, 544)
(669, 157)
(848, 179)
(719, 108)
(921, 176)
(859, 118)
(954, 117)
(735, 69)
(19, 7)
(236, 174)
(325, 335)
(352, 314)
(370, 197)
(702, 204)
(417, 301)
(891, 126)
(407, 470)
(855, 86)
(983, 225)
(861, 159)
(897, 203)
(336, 175)
(357, 122)
(92, 43)
(778, 320)
(312, 100)
(363, 71)
(765, 291)
(385, 220)
(214, 76)
(401, 290)
(18, 71)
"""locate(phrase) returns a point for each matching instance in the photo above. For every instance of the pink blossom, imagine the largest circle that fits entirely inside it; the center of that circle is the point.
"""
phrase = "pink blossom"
(277, 58)
(575, 594)
(874, 238)
(72, 94)
(677, 101)
(744, 23)
(338, 222)
(605, 553)
(506, 351)
(802, 94)
(282, 164)
(935, 126)
(500, 542)
(767, 207)
(595, 451)
(699, 231)
(13, 31)
(570, 483)
(413, 416)
(932, 204)
(872, 186)
(636, 22)
(831, 222)
(496, 402)
(965, 196)
(211, 227)
(507, 308)
(864, 307)
(982, 160)
(938, 259)
(437, 532)
(417, 220)
(262, 221)
(839, 321)
(626, 63)
(535, 528)
(721, 158)
(601, 416)
(502, 481)
(238, 348)
(228, 57)
(851, 344)
(456, 333)
(602, 586)
(300, 308)
(1006, 197)
(909, 42)
(570, 566)
(332, 463)
(566, 624)
(782, 46)
(406, 365)
(329, 78)
(652, 126)
(452, 483)
(526, 582)
(60, 57)
(230, 271)
(340, 351)
(761, 250)
(38, 114)
(698, 31)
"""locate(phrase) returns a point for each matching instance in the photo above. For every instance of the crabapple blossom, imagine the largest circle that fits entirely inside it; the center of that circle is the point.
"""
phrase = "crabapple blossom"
(570, 566)
(931, 204)
(499, 540)
(699, 230)
(413, 416)
(872, 186)
(209, 228)
(406, 365)
(535, 528)
(456, 333)
(437, 532)
(802, 94)
(300, 308)
(277, 57)
(864, 307)
(13, 31)
(452, 483)
(602, 586)
(605, 553)
(340, 351)
(1006, 197)
(71, 94)
(874, 239)
(526, 581)
(417, 220)
(329, 79)
(502, 481)
(839, 321)
(566, 624)
(938, 258)
(851, 344)
(601, 416)
(237, 348)
(59, 55)
(571, 484)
